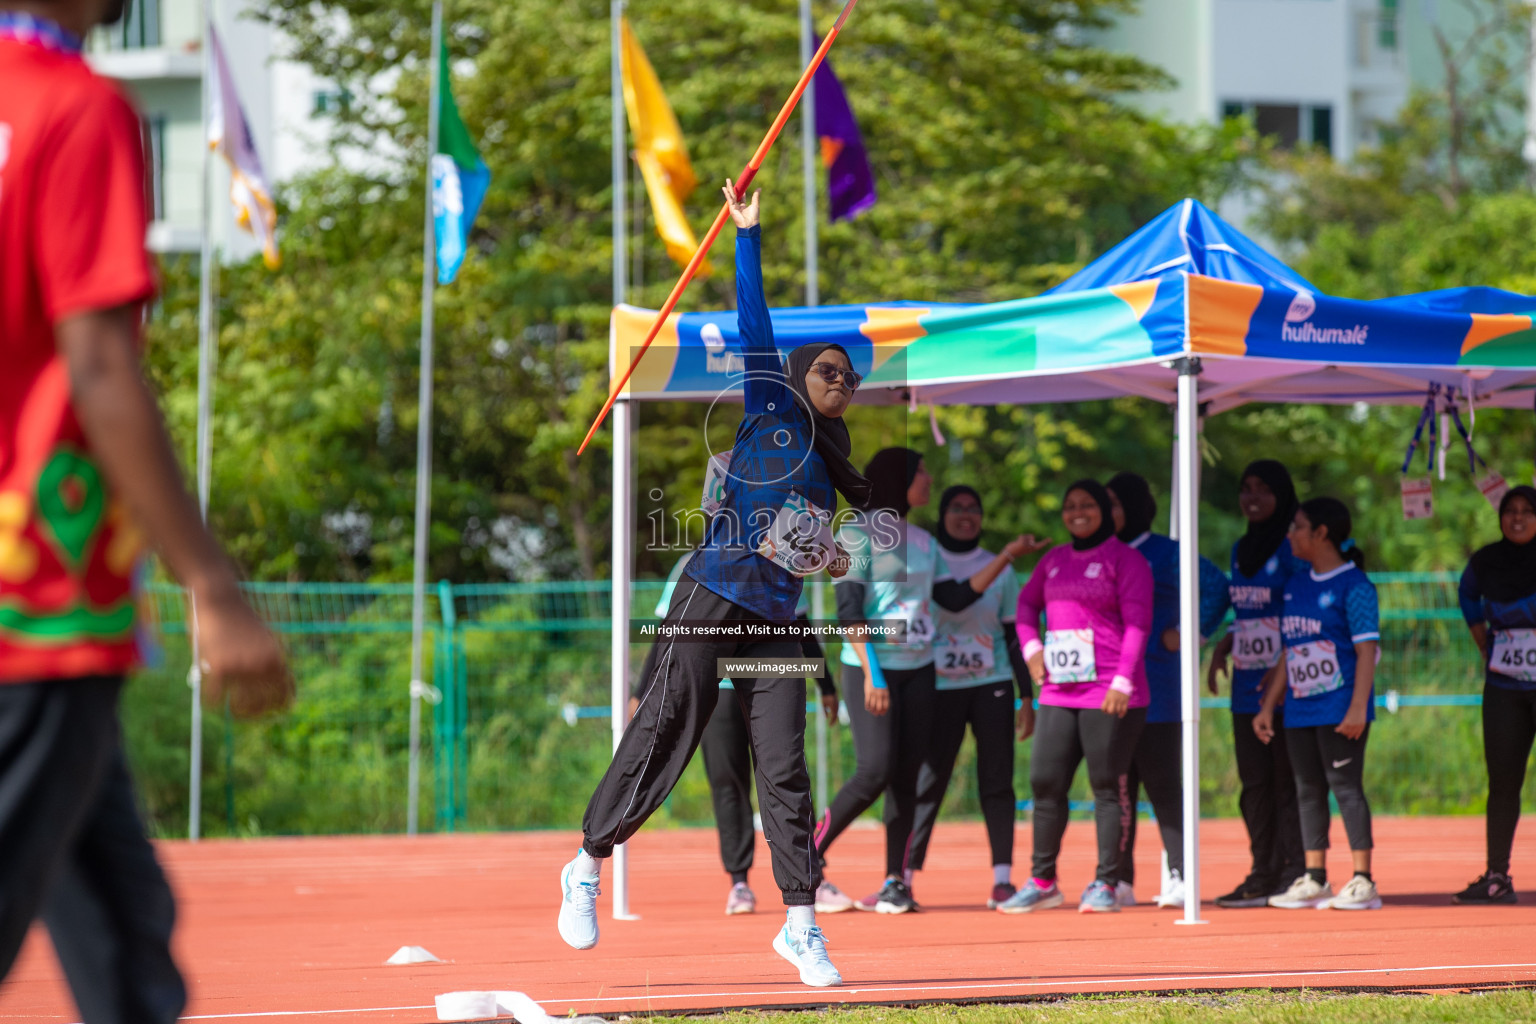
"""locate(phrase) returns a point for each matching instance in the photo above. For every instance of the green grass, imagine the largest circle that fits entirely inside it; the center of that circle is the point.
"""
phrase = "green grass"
(1299, 1006)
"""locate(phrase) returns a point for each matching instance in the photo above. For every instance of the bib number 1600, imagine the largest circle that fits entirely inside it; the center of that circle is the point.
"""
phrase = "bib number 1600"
(1313, 668)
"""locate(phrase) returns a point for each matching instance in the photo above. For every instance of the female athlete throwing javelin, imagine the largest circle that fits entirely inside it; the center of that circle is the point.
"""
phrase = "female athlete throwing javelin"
(789, 462)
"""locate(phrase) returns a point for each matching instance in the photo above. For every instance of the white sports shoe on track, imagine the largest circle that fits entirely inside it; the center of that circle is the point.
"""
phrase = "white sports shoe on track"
(1359, 893)
(1173, 892)
(806, 948)
(1302, 895)
(578, 909)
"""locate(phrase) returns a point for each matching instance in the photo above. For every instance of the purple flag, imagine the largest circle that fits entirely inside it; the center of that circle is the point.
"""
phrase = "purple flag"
(850, 182)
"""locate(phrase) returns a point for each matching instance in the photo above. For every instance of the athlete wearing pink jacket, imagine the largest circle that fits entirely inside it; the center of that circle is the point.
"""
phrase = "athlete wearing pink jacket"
(1096, 595)
(1106, 589)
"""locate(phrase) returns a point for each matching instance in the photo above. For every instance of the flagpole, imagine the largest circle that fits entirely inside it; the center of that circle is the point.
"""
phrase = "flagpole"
(808, 158)
(623, 484)
(424, 436)
(205, 361)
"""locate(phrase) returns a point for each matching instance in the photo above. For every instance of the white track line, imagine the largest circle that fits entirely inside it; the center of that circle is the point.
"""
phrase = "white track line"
(830, 994)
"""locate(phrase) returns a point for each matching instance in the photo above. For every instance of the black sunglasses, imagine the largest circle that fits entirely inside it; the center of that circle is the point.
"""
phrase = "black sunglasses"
(830, 373)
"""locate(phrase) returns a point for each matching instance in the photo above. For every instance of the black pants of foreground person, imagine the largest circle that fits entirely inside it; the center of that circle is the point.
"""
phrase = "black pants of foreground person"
(1267, 801)
(1159, 766)
(889, 751)
(988, 710)
(1064, 738)
(676, 704)
(727, 751)
(1509, 727)
(1323, 762)
(73, 852)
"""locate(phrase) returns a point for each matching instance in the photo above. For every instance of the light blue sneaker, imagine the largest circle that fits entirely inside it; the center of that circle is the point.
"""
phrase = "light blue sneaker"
(1099, 898)
(806, 948)
(1032, 897)
(578, 909)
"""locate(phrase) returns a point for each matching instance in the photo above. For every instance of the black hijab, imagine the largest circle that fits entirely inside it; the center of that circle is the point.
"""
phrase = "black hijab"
(1263, 539)
(1136, 502)
(1106, 530)
(830, 432)
(1506, 571)
(946, 540)
(890, 473)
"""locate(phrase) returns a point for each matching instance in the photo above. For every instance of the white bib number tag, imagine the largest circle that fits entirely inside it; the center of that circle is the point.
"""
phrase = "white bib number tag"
(1514, 654)
(714, 483)
(1069, 656)
(1313, 668)
(800, 538)
(914, 612)
(962, 656)
(1256, 642)
(1494, 487)
(1418, 498)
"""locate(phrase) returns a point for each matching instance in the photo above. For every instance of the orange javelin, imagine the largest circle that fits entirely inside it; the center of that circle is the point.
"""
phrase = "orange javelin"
(714, 230)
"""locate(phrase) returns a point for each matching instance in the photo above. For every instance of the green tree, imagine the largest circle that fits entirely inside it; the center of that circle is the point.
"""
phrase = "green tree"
(1004, 160)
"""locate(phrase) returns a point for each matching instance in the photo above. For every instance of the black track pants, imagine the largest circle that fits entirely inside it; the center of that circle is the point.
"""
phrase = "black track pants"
(1158, 765)
(1509, 726)
(676, 704)
(727, 752)
(988, 710)
(889, 749)
(1325, 761)
(73, 851)
(1267, 801)
(1064, 738)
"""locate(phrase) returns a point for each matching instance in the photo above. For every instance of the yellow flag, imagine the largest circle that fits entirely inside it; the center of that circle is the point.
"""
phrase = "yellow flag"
(659, 150)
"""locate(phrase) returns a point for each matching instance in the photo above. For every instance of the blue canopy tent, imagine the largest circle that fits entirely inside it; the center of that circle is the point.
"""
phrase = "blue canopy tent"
(1187, 311)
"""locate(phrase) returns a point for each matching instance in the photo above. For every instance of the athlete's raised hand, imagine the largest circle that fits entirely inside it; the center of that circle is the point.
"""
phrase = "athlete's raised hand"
(743, 214)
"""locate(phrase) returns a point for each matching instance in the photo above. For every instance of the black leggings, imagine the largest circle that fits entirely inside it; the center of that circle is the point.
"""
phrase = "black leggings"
(727, 750)
(1064, 738)
(1509, 726)
(1267, 801)
(1323, 760)
(890, 749)
(988, 710)
(1159, 766)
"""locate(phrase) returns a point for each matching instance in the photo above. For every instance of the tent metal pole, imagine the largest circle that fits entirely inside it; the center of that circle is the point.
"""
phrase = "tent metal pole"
(1188, 477)
(623, 458)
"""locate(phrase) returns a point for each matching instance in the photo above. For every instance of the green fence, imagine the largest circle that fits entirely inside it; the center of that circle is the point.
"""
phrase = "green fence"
(521, 731)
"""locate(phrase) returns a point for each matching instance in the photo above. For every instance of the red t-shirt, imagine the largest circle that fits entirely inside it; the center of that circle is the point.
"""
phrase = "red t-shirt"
(72, 225)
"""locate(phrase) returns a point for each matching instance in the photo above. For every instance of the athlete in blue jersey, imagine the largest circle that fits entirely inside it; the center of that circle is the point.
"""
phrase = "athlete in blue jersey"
(1498, 600)
(1262, 564)
(773, 528)
(1332, 637)
(1158, 763)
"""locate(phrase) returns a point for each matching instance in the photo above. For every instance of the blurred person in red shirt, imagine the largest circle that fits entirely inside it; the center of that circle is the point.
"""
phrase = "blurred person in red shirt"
(87, 475)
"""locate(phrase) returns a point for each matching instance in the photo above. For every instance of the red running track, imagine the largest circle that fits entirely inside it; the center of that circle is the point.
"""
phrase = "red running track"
(279, 929)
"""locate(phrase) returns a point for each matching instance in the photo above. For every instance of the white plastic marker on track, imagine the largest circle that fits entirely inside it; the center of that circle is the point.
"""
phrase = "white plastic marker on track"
(826, 993)
(484, 1005)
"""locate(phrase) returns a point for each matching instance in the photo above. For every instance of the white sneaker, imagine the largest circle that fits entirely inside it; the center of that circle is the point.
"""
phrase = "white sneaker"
(578, 909)
(806, 948)
(1173, 892)
(1359, 893)
(1125, 894)
(1302, 894)
(832, 900)
(740, 900)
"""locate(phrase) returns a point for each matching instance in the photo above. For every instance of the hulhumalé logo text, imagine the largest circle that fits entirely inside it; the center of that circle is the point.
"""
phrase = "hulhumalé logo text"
(1296, 328)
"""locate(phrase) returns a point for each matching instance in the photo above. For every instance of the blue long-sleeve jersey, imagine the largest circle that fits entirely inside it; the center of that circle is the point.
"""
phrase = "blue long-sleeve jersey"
(773, 457)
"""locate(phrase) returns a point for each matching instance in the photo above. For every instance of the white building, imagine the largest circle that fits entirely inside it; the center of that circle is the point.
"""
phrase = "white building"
(1319, 71)
(157, 54)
